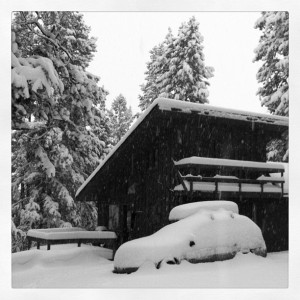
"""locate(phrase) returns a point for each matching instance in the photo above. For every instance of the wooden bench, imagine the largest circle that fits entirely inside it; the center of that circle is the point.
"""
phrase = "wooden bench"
(53, 236)
(218, 183)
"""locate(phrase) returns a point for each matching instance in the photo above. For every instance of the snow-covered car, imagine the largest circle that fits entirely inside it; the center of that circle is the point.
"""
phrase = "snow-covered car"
(203, 236)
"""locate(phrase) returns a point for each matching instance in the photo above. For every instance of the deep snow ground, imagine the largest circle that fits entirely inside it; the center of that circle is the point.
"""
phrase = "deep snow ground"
(67, 266)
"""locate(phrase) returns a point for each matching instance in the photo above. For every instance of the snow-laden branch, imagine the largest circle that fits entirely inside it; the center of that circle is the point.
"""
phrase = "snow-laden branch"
(49, 36)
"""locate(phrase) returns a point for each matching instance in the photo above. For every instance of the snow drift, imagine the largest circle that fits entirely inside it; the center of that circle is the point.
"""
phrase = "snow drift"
(202, 237)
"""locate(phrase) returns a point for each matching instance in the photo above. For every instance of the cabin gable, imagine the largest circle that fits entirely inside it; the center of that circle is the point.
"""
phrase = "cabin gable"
(134, 187)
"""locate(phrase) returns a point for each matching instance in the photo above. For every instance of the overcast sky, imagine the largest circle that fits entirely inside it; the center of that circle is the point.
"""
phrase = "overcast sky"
(125, 39)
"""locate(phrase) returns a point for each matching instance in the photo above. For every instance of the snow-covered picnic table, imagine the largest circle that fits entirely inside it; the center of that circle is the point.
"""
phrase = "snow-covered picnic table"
(77, 235)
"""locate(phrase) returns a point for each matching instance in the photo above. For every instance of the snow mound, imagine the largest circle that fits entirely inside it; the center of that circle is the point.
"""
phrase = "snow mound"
(202, 237)
(70, 254)
(185, 210)
(100, 228)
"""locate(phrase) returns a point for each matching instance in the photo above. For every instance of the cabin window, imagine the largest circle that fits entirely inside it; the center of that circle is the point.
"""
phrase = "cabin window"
(152, 159)
(156, 158)
(114, 214)
(227, 149)
(179, 137)
(132, 163)
(128, 220)
(157, 131)
(132, 189)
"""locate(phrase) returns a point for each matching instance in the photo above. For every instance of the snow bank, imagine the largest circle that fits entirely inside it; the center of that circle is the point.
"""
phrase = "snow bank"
(185, 210)
(201, 237)
(90, 270)
(70, 254)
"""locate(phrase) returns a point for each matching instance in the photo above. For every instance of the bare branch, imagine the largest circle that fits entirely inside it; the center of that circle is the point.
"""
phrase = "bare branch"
(15, 204)
(36, 138)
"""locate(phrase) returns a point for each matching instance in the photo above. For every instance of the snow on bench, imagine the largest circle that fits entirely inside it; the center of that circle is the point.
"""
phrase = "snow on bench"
(69, 235)
(182, 211)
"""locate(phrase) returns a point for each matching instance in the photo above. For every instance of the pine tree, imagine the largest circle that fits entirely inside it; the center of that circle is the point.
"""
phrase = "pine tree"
(60, 128)
(273, 75)
(177, 68)
(149, 89)
(155, 68)
(121, 118)
(273, 52)
(187, 76)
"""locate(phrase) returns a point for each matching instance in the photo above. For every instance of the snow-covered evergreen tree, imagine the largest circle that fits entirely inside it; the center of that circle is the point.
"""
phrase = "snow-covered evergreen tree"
(187, 76)
(121, 118)
(273, 52)
(149, 89)
(60, 128)
(156, 67)
(273, 75)
(177, 69)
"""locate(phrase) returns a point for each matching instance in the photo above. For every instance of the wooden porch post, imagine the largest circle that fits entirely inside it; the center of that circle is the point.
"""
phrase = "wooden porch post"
(254, 212)
(98, 208)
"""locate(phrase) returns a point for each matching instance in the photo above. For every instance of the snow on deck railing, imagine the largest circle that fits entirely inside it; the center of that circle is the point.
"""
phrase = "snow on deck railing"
(229, 187)
(196, 160)
(221, 183)
(168, 104)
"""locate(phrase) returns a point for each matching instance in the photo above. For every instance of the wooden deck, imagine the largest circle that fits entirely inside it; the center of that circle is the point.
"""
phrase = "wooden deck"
(222, 182)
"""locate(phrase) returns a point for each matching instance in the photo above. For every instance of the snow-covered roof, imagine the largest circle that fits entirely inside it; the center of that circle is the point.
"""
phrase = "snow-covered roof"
(165, 104)
(121, 141)
(221, 112)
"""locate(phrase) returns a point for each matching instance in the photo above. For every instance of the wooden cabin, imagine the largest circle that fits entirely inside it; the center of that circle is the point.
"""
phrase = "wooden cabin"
(179, 152)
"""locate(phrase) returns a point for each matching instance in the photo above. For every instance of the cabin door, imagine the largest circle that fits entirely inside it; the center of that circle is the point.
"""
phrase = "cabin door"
(120, 220)
(113, 217)
(125, 232)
